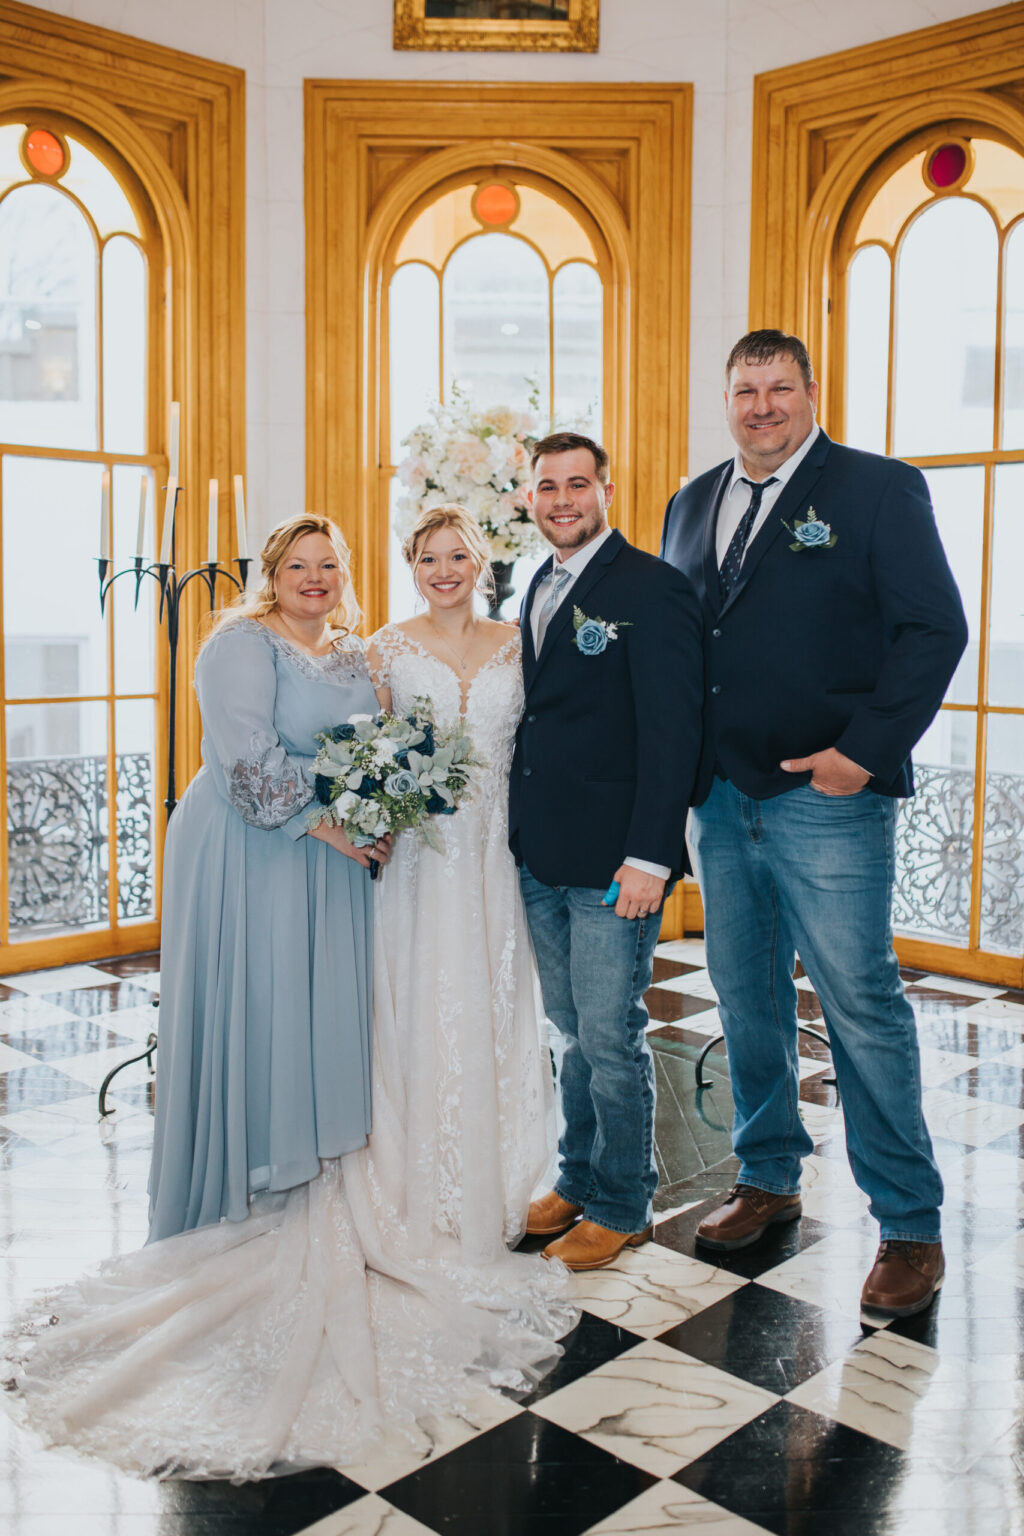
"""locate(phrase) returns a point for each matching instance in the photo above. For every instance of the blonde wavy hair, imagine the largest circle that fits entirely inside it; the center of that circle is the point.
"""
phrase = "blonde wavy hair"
(345, 618)
(451, 514)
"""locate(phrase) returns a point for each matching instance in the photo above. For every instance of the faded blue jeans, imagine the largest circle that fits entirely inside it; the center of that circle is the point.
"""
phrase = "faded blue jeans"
(594, 970)
(812, 875)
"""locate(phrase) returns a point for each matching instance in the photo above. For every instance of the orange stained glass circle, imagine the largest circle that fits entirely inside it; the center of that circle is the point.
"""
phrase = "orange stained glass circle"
(44, 152)
(496, 204)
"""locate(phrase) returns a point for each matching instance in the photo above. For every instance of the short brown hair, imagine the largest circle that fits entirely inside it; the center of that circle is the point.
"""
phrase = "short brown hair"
(565, 442)
(762, 346)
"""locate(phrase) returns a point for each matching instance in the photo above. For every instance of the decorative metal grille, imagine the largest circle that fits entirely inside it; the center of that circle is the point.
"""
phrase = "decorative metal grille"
(57, 841)
(933, 859)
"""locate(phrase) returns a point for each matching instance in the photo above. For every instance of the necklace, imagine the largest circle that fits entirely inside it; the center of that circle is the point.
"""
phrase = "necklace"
(460, 659)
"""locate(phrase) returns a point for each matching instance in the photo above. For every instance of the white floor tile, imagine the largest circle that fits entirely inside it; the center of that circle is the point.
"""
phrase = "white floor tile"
(62, 979)
(952, 984)
(440, 1435)
(973, 1121)
(649, 1289)
(830, 1273)
(669, 1507)
(655, 1407)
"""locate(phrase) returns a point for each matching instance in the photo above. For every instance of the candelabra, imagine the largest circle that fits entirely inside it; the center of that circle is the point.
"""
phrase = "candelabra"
(172, 587)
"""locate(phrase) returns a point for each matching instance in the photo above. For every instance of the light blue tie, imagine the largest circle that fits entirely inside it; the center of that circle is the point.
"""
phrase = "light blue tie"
(556, 590)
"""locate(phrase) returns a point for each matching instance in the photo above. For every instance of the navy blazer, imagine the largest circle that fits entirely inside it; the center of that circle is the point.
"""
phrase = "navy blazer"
(607, 750)
(851, 646)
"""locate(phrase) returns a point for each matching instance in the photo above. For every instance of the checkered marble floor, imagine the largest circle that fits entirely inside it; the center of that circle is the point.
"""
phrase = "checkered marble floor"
(721, 1397)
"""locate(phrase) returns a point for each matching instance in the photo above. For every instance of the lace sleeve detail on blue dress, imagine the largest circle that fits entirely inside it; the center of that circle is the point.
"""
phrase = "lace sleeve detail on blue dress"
(267, 788)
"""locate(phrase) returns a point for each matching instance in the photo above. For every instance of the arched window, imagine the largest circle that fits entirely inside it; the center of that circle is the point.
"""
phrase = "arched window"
(78, 245)
(929, 280)
(494, 288)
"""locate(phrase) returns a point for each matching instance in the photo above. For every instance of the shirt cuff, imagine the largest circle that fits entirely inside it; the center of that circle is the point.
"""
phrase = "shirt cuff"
(661, 870)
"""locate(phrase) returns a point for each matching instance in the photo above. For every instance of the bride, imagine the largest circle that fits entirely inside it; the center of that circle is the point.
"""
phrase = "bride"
(339, 1315)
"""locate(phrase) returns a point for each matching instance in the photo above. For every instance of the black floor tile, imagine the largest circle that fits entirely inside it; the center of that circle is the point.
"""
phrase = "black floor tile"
(131, 965)
(996, 1081)
(665, 969)
(279, 1506)
(667, 1006)
(1012, 995)
(32, 1087)
(765, 1337)
(71, 1037)
(524, 1478)
(778, 1244)
(799, 1474)
(691, 1129)
(910, 975)
(808, 1009)
(591, 1343)
(7, 994)
(88, 1002)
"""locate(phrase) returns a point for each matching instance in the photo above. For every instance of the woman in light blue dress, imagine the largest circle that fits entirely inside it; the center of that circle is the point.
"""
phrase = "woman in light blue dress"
(266, 960)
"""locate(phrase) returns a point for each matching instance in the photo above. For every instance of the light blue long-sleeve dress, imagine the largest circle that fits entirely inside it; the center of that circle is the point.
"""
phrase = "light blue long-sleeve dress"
(266, 950)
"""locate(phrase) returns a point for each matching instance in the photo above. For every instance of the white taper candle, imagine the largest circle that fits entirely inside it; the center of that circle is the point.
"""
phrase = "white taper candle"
(105, 517)
(240, 528)
(167, 532)
(175, 434)
(140, 537)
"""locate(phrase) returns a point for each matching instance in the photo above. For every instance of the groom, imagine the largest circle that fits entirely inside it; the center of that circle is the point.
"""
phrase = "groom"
(604, 765)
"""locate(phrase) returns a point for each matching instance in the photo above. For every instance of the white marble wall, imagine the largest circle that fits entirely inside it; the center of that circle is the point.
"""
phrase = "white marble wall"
(718, 44)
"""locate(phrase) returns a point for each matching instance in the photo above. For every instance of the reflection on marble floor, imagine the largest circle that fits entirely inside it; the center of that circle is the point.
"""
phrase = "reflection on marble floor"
(721, 1395)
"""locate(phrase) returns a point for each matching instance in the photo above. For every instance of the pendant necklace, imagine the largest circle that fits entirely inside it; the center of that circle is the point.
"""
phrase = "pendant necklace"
(460, 659)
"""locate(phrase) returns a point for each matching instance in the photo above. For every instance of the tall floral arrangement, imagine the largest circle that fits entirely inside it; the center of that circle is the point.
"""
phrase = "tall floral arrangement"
(480, 458)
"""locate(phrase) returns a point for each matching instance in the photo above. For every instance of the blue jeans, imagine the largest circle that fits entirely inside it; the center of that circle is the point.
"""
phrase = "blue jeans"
(594, 970)
(812, 874)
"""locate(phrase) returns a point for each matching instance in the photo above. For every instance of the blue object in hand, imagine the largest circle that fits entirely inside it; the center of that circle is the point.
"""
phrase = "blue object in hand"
(611, 895)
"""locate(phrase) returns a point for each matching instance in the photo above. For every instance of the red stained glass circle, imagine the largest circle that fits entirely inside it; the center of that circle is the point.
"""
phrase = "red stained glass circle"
(44, 152)
(495, 204)
(947, 165)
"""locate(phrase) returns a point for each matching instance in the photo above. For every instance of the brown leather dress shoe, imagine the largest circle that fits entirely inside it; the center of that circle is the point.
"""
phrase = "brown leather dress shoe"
(904, 1279)
(589, 1246)
(745, 1215)
(550, 1215)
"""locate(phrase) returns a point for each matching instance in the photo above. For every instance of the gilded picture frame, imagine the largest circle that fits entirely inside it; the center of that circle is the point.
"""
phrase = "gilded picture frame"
(463, 26)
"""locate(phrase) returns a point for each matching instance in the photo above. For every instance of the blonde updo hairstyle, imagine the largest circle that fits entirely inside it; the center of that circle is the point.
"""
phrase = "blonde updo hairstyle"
(345, 618)
(450, 514)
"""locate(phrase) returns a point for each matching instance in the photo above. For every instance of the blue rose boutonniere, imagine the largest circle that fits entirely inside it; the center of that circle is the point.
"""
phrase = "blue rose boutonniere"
(591, 636)
(812, 533)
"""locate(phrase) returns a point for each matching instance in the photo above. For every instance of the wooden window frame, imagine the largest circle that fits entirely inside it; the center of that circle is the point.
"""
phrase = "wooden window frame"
(823, 132)
(178, 123)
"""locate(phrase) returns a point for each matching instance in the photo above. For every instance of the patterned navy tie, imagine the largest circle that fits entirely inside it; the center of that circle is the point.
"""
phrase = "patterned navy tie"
(729, 571)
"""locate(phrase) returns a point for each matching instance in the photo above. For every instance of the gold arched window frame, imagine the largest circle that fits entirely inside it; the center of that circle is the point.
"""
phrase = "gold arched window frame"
(827, 133)
(479, 177)
(172, 128)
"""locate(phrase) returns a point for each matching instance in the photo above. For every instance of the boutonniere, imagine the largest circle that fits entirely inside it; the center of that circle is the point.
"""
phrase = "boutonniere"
(812, 533)
(592, 635)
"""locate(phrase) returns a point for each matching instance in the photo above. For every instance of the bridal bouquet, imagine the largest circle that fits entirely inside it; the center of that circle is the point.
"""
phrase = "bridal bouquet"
(385, 773)
(480, 459)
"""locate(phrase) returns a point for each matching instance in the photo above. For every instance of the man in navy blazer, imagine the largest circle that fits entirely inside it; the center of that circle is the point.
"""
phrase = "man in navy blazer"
(605, 762)
(833, 628)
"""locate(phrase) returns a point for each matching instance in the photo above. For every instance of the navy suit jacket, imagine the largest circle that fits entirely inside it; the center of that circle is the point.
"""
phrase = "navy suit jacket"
(850, 647)
(607, 750)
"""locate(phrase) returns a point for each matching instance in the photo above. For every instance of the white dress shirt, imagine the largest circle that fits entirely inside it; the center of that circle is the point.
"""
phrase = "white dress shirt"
(576, 564)
(738, 496)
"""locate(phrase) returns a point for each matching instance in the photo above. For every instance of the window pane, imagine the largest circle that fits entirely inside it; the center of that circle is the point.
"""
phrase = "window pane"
(124, 347)
(56, 818)
(579, 349)
(1013, 342)
(867, 349)
(101, 192)
(402, 598)
(136, 809)
(11, 169)
(946, 330)
(414, 339)
(134, 627)
(496, 333)
(47, 321)
(1006, 622)
(1002, 879)
(932, 897)
(958, 498)
(55, 639)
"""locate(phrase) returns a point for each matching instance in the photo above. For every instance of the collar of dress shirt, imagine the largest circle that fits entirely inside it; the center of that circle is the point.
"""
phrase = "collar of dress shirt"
(785, 471)
(577, 562)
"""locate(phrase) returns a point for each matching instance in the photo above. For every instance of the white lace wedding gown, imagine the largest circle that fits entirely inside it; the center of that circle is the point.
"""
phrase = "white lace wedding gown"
(340, 1314)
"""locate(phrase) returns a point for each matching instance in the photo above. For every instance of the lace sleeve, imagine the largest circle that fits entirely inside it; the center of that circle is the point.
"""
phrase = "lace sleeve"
(381, 650)
(236, 681)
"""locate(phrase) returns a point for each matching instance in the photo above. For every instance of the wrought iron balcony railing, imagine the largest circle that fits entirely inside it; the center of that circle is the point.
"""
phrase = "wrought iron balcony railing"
(57, 841)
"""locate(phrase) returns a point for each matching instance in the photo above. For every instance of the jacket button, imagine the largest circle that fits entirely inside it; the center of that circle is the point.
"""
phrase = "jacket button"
(717, 688)
(717, 633)
(527, 772)
(530, 719)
